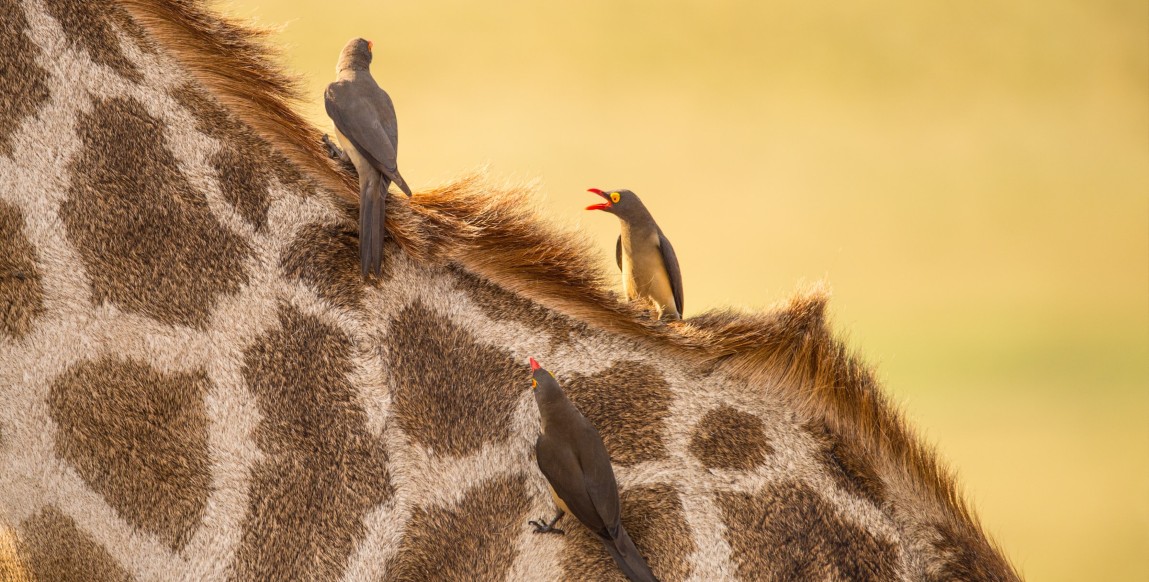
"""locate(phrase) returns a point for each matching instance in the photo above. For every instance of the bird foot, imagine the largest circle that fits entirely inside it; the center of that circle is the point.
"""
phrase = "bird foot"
(541, 526)
(338, 154)
(332, 149)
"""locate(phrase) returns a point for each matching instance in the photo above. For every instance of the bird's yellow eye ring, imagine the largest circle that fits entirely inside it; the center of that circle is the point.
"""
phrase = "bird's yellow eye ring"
(534, 383)
(614, 197)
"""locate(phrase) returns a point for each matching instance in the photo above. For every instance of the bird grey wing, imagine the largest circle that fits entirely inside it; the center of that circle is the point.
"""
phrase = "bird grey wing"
(601, 487)
(561, 468)
(386, 112)
(673, 271)
(357, 119)
(618, 252)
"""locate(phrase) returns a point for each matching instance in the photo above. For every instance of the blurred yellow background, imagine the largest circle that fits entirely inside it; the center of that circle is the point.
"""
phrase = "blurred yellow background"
(971, 178)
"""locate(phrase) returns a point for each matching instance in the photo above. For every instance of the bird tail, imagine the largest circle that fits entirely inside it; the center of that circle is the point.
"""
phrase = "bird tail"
(371, 217)
(627, 557)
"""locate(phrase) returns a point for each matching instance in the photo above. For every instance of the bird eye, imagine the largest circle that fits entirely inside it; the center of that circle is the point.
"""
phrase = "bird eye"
(534, 383)
(614, 197)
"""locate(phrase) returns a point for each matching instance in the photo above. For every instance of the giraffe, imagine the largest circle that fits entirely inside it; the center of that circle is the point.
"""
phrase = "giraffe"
(195, 384)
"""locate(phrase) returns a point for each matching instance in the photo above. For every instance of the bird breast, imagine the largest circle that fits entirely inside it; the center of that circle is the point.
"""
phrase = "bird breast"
(643, 272)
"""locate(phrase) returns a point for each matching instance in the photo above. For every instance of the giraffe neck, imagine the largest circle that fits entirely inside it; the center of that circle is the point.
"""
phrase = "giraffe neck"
(198, 385)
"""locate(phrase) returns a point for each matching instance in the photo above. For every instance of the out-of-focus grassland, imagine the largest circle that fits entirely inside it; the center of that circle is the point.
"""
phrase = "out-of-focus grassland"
(972, 179)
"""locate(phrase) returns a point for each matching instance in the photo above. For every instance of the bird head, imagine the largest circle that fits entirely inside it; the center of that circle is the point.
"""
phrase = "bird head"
(621, 203)
(542, 381)
(356, 54)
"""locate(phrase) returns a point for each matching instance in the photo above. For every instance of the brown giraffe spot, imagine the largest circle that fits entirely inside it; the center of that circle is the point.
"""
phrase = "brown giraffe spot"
(242, 164)
(23, 84)
(322, 470)
(500, 304)
(968, 557)
(849, 467)
(89, 24)
(147, 238)
(55, 549)
(628, 403)
(325, 257)
(727, 438)
(21, 294)
(454, 393)
(654, 519)
(475, 539)
(788, 532)
(242, 184)
(139, 438)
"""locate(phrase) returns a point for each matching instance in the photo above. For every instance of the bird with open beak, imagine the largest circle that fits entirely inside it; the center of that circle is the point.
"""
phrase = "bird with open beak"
(644, 255)
(368, 133)
(574, 460)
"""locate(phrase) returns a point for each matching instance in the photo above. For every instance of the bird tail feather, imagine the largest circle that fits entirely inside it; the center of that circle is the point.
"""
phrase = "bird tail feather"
(626, 555)
(371, 218)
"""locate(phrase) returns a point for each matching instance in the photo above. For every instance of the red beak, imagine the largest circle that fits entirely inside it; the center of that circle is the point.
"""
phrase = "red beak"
(534, 365)
(602, 206)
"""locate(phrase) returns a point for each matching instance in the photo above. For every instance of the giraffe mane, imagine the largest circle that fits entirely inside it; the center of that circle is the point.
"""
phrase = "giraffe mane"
(489, 230)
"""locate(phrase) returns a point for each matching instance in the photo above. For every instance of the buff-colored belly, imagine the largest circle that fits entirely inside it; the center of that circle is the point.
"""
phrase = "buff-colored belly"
(644, 275)
(357, 160)
(558, 501)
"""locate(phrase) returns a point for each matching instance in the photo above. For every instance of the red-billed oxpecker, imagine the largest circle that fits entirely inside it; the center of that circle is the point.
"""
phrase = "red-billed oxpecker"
(578, 471)
(648, 263)
(367, 131)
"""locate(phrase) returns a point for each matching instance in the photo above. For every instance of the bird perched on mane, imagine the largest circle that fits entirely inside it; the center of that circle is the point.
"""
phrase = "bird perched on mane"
(368, 133)
(647, 261)
(572, 457)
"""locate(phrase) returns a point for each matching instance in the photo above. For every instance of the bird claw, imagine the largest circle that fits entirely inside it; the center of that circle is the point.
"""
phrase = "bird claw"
(338, 154)
(543, 527)
(332, 149)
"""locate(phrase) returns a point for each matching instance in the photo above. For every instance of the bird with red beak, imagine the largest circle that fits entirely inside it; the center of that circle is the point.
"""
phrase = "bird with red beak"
(649, 266)
(579, 475)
